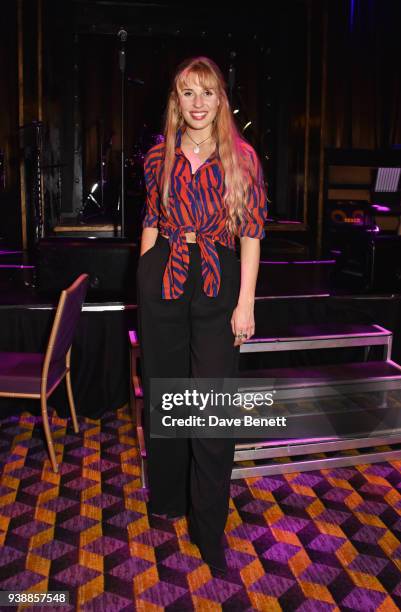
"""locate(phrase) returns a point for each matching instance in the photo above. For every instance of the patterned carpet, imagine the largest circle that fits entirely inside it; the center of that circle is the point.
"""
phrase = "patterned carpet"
(317, 541)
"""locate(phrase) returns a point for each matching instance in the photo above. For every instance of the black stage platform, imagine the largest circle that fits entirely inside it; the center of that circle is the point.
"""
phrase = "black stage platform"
(100, 363)
(296, 293)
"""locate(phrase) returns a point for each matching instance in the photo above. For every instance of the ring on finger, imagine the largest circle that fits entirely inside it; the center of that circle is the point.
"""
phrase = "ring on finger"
(241, 336)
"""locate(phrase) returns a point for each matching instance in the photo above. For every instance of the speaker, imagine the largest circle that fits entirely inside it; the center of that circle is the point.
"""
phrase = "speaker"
(110, 263)
(386, 263)
(348, 213)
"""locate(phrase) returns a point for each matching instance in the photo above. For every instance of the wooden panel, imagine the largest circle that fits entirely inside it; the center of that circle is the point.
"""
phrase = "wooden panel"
(350, 174)
(349, 194)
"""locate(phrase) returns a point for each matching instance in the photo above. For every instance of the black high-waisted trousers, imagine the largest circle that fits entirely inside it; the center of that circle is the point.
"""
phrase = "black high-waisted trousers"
(188, 337)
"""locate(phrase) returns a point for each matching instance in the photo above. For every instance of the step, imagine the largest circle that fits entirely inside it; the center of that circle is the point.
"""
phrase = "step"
(325, 380)
(315, 463)
(333, 373)
(322, 335)
(255, 449)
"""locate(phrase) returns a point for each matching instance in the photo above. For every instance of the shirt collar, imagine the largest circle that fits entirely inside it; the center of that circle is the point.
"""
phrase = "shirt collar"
(179, 151)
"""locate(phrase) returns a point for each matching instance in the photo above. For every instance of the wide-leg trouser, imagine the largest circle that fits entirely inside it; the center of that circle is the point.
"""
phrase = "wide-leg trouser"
(188, 337)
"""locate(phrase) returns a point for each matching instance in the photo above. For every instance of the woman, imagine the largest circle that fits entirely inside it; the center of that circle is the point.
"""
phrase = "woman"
(196, 300)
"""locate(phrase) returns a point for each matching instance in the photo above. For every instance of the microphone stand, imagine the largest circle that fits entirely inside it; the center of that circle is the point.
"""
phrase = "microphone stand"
(234, 90)
(231, 76)
(122, 35)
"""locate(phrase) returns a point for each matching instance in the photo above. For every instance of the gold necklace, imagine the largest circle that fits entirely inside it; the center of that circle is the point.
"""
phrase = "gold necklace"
(196, 148)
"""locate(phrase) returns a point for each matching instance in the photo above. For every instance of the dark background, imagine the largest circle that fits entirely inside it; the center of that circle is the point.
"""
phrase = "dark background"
(310, 75)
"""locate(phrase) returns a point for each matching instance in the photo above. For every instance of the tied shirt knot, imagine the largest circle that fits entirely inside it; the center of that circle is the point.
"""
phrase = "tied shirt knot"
(176, 272)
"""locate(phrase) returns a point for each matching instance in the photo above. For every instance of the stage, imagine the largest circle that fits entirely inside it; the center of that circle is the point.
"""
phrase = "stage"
(300, 294)
(314, 89)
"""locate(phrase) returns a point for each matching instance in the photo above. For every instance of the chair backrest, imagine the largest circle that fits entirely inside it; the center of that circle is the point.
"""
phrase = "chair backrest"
(65, 323)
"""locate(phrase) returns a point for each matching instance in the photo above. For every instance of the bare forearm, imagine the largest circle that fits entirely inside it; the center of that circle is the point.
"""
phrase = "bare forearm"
(250, 257)
(243, 318)
(148, 239)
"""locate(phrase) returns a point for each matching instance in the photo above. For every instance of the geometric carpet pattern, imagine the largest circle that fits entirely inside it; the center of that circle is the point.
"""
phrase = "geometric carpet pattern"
(307, 542)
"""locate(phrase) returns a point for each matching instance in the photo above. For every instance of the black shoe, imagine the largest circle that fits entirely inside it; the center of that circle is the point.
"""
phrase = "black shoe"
(172, 515)
(194, 539)
(215, 559)
(175, 514)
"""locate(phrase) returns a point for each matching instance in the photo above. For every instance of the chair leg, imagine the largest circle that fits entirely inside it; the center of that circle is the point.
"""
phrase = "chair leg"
(71, 402)
(48, 434)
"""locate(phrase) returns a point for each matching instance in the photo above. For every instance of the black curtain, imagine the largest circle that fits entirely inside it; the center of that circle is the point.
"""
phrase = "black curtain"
(364, 74)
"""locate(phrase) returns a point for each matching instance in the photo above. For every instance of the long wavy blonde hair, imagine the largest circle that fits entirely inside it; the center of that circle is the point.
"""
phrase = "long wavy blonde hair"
(233, 150)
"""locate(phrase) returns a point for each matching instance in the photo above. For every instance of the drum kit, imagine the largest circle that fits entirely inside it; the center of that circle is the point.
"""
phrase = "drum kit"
(103, 198)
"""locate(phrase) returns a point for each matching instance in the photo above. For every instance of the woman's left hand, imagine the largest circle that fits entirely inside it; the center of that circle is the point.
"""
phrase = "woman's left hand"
(243, 323)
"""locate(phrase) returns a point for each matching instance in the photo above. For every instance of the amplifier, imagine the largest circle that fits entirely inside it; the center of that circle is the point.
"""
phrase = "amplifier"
(348, 213)
(370, 263)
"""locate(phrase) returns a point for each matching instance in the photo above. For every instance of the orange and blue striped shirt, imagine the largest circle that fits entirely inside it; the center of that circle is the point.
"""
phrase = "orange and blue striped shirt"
(196, 205)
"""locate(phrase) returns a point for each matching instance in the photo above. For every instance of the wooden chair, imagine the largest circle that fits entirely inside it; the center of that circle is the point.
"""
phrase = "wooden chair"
(36, 375)
(136, 401)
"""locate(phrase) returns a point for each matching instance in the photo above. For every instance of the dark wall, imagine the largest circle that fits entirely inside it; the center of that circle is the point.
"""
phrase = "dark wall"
(159, 38)
(9, 187)
(364, 70)
(154, 60)
(273, 43)
(61, 108)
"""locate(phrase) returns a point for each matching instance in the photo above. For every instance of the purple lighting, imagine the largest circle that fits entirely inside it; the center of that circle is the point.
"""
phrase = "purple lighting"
(12, 266)
(310, 261)
(277, 263)
(351, 14)
(381, 208)
(316, 261)
(283, 222)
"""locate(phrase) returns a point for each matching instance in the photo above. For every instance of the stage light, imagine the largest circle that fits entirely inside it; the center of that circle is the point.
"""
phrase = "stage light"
(235, 111)
(94, 187)
(381, 208)
(246, 126)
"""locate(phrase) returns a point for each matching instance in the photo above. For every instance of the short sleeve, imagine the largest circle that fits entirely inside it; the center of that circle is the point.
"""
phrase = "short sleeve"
(151, 218)
(256, 210)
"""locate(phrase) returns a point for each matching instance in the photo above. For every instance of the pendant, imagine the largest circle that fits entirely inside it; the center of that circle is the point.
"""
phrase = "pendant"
(196, 149)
